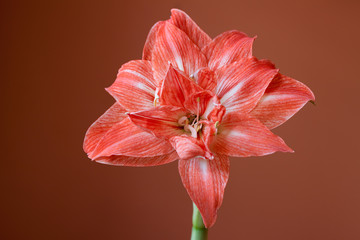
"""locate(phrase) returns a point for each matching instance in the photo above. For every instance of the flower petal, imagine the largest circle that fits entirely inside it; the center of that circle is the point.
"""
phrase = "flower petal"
(188, 147)
(99, 128)
(241, 84)
(240, 135)
(134, 87)
(205, 182)
(150, 41)
(161, 121)
(214, 110)
(120, 160)
(125, 138)
(198, 102)
(282, 99)
(176, 88)
(206, 79)
(181, 20)
(174, 46)
(228, 47)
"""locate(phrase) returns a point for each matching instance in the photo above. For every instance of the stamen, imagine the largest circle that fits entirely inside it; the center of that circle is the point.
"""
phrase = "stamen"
(198, 108)
(156, 99)
(192, 130)
(216, 127)
(198, 127)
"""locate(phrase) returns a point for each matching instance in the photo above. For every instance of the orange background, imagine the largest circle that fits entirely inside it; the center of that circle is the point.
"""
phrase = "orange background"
(57, 58)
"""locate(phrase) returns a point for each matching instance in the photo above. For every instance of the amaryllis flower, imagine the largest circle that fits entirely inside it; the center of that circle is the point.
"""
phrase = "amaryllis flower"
(196, 100)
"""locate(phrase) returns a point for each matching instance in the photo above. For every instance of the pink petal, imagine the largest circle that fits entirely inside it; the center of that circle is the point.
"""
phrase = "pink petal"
(241, 85)
(209, 132)
(174, 46)
(176, 88)
(228, 47)
(181, 20)
(214, 110)
(243, 136)
(188, 147)
(205, 181)
(125, 138)
(120, 160)
(150, 41)
(98, 129)
(281, 100)
(134, 87)
(161, 121)
(206, 79)
(198, 102)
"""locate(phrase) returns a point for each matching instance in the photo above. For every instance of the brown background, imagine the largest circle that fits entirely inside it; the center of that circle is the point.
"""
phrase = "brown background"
(57, 58)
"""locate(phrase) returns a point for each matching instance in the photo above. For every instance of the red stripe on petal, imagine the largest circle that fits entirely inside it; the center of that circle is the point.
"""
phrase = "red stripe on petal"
(161, 121)
(241, 85)
(205, 182)
(125, 138)
(174, 46)
(181, 20)
(282, 99)
(243, 136)
(138, 161)
(102, 125)
(134, 87)
(228, 47)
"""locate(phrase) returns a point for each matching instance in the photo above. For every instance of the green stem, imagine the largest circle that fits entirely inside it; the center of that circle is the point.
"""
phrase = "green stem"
(199, 231)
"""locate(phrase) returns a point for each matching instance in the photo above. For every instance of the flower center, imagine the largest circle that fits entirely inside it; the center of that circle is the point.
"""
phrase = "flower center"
(191, 124)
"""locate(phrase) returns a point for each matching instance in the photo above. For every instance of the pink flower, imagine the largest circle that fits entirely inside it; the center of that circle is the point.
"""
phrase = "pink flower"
(195, 100)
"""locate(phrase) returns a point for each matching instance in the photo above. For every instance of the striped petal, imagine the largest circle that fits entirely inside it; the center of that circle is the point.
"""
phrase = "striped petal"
(161, 121)
(214, 111)
(240, 135)
(181, 20)
(125, 138)
(188, 147)
(134, 87)
(176, 88)
(282, 99)
(206, 79)
(120, 160)
(150, 41)
(174, 46)
(205, 182)
(102, 125)
(198, 103)
(242, 84)
(228, 47)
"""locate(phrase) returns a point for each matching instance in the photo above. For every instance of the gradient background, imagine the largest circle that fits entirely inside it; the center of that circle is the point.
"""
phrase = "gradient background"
(57, 58)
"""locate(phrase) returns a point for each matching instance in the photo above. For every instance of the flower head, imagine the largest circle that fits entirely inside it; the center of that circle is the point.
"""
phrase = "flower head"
(196, 100)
